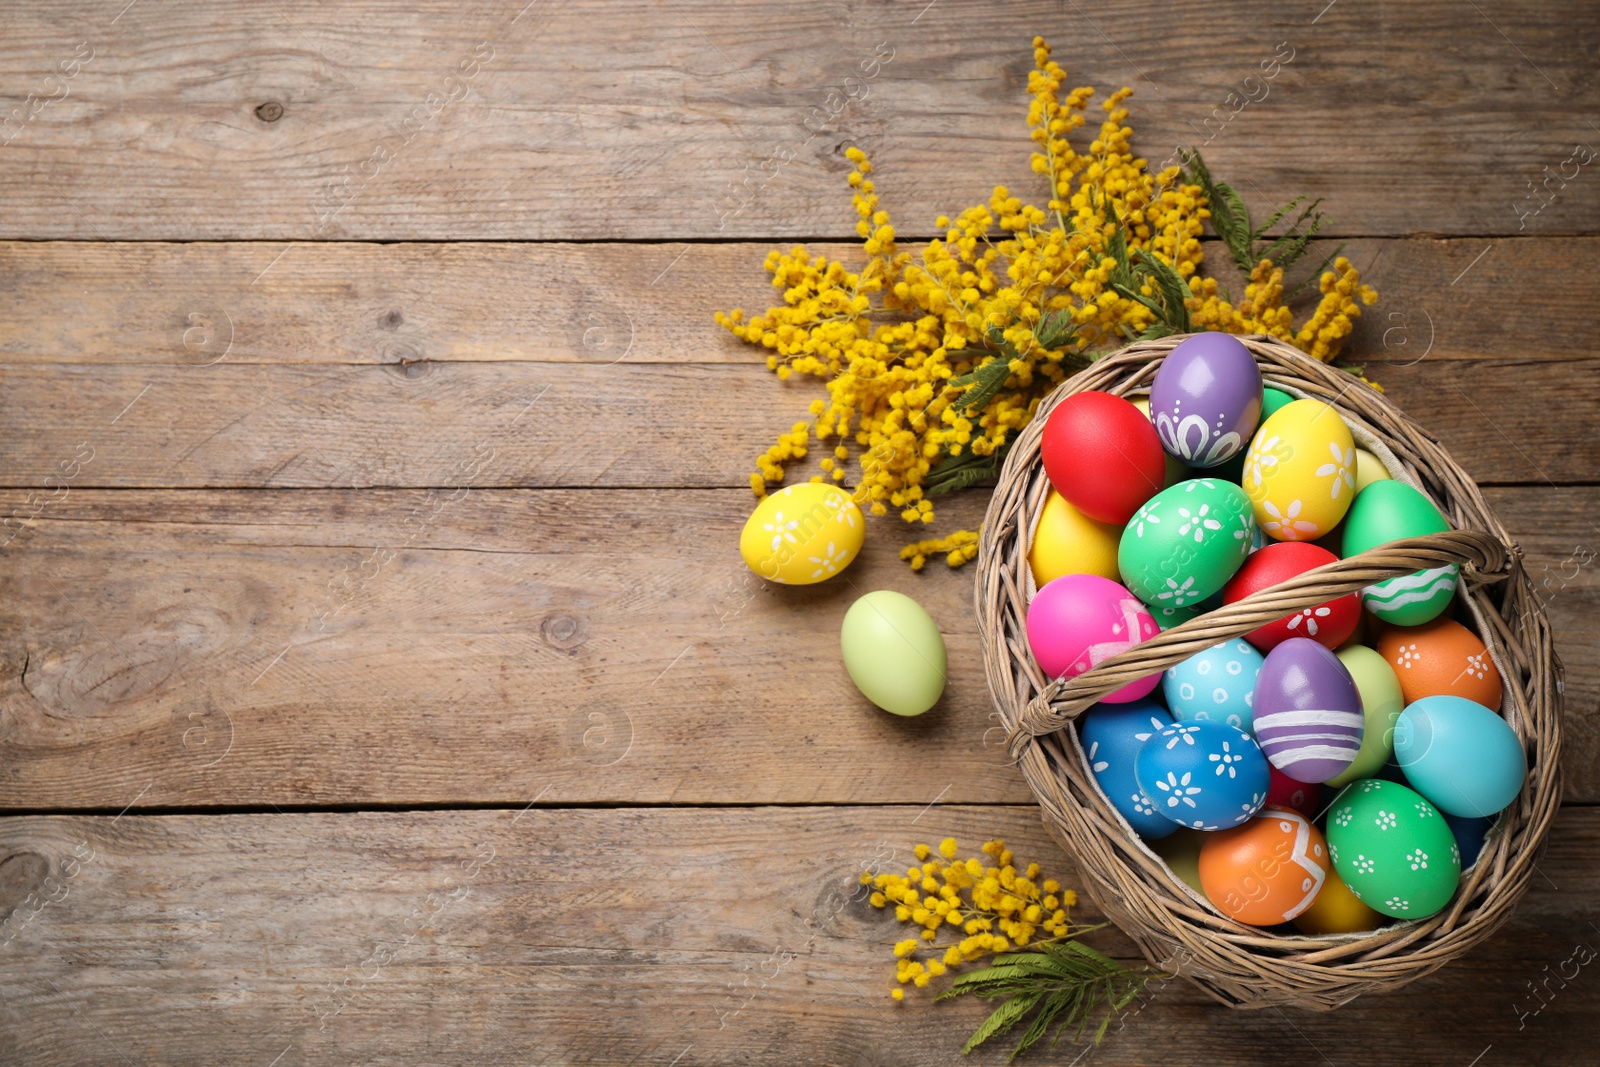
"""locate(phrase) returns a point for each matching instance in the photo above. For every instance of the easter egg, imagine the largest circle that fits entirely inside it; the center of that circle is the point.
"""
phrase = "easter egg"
(1329, 624)
(1167, 617)
(1067, 541)
(1103, 455)
(1112, 735)
(1460, 755)
(802, 534)
(1285, 792)
(1273, 399)
(1181, 852)
(1369, 469)
(1393, 849)
(1219, 683)
(1267, 871)
(1308, 711)
(1205, 400)
(1381, 705)
(893, 652)
(1203, 774)
(1175, 471)
(1471, 835)
(1337, 911)
(1387, 511)
(1299, 471)
(1078, 620)
(1184, 543)
(1441, 658)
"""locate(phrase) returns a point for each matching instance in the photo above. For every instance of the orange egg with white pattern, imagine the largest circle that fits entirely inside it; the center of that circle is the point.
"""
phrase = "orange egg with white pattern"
(1441, 658)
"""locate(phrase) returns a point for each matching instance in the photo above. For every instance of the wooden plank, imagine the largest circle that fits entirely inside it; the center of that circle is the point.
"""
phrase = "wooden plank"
(241, 303)
(373, 647)
(659, 936)
(383, 647)
(639, 120)
(544, 425)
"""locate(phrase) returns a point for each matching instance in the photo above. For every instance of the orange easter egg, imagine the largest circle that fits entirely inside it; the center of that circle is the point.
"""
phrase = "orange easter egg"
(1267, 871)
(1441, 658)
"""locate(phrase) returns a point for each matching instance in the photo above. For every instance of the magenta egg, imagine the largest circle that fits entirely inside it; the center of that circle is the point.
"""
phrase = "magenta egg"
(1308, 716)
(1078, 620)
(1205, 400)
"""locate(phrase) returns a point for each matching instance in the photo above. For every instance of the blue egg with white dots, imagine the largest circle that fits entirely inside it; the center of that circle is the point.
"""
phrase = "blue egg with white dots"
(1205, 775)
(1218, 684)
(1112, 736)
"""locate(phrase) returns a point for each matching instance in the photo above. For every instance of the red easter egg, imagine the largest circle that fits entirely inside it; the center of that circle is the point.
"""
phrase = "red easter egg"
(1103, 455)
(1285, 792)
(1329, 624)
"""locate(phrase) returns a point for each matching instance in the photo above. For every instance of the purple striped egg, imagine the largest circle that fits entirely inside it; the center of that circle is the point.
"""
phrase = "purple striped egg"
(1308, 716)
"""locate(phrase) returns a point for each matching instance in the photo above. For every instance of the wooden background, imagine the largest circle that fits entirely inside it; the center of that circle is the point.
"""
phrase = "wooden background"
(379, 681)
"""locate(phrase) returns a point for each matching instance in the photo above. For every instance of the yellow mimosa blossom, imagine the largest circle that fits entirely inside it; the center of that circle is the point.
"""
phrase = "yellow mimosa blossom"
(932, 363)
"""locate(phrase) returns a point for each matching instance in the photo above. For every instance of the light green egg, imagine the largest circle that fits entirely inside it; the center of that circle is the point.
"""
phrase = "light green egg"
(1393, 849)
(1181, 850)
(1184, 543)
(894, 652)
(1388, 511)
(1381, 705)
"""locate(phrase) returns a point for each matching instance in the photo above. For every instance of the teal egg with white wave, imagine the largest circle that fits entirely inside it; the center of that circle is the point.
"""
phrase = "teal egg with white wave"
(1218, 684)
(1388, 511)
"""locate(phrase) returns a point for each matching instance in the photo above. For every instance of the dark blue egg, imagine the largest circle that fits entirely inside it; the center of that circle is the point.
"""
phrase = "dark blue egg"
(1471, 832)
(1112, 736)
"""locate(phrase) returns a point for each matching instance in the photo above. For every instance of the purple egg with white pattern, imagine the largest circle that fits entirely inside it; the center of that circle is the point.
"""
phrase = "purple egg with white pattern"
(1205, 400)
(1308, 716)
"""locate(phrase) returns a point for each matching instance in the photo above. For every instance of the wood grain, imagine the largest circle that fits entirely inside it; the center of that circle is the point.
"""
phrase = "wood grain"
(401, 647)
(650, 936)
(590, 425)
(377, 647)
(419, 302)
(640, 120)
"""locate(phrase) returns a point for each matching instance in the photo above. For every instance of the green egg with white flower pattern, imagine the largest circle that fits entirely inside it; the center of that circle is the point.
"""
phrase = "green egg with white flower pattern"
(1393, 849)
(1184, 543)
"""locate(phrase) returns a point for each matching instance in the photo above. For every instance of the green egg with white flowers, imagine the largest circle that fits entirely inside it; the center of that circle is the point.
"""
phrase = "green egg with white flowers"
(1184, 543)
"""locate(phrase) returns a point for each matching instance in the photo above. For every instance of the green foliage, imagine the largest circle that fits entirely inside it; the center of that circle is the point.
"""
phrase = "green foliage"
(1064, 984)
(1247, 243)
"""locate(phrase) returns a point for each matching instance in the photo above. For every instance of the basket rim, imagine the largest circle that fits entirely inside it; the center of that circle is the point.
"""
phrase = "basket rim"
(1237, 964)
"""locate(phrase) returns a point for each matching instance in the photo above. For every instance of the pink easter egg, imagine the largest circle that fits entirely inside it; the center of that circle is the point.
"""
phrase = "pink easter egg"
(1077, 620)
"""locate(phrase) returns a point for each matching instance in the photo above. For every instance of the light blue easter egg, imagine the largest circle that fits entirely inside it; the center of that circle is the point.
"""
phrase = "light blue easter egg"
(1112, 736)
(1218, 684)
(1460, 755)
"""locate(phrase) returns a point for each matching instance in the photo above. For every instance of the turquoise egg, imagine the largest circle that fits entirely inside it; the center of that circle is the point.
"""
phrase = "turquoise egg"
(1112, 735)
(1217, 684)
(1184, 543)
(1463, 757)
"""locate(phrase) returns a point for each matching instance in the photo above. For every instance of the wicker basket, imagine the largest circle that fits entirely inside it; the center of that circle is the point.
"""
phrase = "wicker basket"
(1176, 929)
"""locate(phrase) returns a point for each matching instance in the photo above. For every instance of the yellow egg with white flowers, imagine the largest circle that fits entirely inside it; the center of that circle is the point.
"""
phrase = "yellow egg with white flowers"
(1300, 471)
(802, 534)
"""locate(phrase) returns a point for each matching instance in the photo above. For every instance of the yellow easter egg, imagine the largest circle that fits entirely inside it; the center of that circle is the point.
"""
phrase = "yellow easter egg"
(1069, 542)
(1300, 471)
(1369, 469)
(802, 534)
(1336, 911)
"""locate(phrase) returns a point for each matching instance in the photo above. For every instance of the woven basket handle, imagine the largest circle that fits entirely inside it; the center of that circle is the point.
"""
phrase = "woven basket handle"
(1061, 701)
